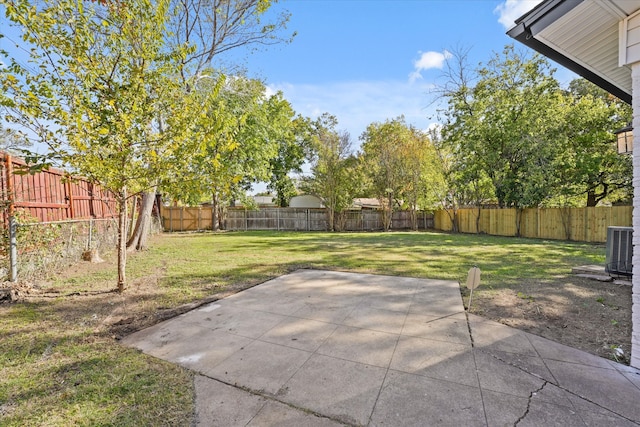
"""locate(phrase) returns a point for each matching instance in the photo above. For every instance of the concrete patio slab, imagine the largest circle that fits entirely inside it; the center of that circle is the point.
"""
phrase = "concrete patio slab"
(324, 348)
(260, 366)
(340, 389)
(376, 319)
(435, 359)
(274, 413)
(366, 346)
(412, 400)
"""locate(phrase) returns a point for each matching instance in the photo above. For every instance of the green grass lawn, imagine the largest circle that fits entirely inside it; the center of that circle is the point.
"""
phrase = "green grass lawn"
(59, 365)
(254, 256)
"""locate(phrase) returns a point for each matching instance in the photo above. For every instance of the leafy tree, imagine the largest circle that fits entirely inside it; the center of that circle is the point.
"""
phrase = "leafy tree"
(510, 123)
(506, 127)
(588, 164)
(423, 172)
(294, 146)
(401, 164)
(215, 27)
(12, 141)
(463, 182)
(335, 170)
(460, 182)
(211, 28)
(232, 141)
(104, 79)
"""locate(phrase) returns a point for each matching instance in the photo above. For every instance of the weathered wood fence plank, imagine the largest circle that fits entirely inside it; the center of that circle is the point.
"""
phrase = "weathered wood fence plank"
(578, 224)
(285, 219)
(52, 194)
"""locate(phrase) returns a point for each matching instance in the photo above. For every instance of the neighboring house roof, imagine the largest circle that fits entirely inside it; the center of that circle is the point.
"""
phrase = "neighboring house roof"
(264, 200)
(306, 201)
(364, 202)
(582, 36)
(261, 201)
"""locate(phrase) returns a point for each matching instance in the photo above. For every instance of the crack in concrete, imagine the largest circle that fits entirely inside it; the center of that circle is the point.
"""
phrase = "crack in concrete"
(466, 315)
(526, 412)
(272, 398)
(545, 381)
(555, 383)
(475, 364)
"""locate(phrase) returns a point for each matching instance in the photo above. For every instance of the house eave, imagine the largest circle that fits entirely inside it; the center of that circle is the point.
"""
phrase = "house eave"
(530, 25)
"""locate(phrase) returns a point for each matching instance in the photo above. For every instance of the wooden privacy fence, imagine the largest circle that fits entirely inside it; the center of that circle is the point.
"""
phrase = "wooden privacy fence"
(285, 219)
(578, 224)
(52, 195)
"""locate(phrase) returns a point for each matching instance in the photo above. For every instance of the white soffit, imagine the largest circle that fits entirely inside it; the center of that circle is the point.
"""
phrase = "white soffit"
(588, 35)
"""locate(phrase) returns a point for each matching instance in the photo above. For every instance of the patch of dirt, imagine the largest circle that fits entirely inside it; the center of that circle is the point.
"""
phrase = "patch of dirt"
(101, 307)
(582, 313)
(13, 292)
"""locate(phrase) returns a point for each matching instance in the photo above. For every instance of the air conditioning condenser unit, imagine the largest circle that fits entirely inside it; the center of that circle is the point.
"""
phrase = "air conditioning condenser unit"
(619, 251)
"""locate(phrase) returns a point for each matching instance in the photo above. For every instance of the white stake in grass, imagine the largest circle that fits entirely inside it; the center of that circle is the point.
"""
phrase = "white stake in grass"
(473, 281)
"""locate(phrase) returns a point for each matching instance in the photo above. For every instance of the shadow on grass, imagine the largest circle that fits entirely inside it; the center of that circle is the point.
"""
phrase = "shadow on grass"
(58, 371)
(503, 260)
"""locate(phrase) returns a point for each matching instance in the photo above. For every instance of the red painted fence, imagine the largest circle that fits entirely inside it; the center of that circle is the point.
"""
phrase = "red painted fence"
(52, 195)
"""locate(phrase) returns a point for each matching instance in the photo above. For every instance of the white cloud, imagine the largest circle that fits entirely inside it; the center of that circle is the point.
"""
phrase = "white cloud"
(431, 60)
(427, 61)
(356, 104)
(269, 92)
(511, 10)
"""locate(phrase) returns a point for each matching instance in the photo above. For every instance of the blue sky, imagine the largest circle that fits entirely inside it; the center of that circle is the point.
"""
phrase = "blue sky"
(367, 61)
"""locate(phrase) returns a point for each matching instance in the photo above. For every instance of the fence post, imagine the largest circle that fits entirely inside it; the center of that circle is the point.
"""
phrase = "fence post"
(13, 241)
(67, 188)
(13, 249)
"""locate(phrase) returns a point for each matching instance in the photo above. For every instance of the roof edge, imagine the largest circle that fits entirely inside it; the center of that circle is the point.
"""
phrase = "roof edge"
(540, 17)
(545, 14)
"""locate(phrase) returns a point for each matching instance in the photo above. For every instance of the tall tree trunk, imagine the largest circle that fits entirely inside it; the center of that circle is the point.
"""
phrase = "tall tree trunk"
(452, 212)
(591, 198)
(519, 213)
(331, 218)
(122, 239)
(565, 216)
(331, 214)
(215, 221)
(133, 220)
(140, 235)
(387, 225)
(414, 216)
(222, 214)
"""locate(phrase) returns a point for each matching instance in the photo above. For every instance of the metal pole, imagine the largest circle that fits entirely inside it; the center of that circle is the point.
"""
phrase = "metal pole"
(90, 233)
(13, 241)
(13, 250)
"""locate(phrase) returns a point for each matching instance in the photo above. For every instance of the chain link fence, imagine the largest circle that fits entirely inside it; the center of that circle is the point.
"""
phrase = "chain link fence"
(43, 248)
